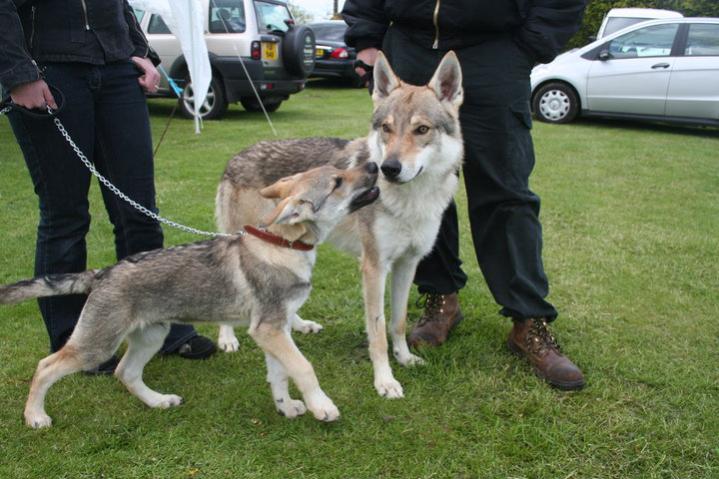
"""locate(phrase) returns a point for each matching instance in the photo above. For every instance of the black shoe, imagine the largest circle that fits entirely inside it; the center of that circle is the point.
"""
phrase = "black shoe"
(106, 368)
(197, 347)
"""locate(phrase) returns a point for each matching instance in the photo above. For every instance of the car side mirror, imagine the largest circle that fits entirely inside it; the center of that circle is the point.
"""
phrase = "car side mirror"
(604, 55)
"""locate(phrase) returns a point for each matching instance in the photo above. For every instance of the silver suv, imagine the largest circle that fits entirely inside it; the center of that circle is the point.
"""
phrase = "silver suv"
(277, 55)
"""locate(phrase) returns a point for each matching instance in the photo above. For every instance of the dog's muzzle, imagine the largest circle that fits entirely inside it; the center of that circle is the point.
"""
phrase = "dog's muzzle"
(369, 195)
(365, 198)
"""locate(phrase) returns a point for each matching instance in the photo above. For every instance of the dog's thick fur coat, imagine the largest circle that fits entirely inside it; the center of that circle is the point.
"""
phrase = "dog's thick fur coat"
(415, 136)
(238, 280)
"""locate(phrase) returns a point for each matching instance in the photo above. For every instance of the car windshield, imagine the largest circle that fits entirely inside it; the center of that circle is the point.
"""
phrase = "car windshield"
(227, 16)
(617, 23)
(329, 31)
(272, 16)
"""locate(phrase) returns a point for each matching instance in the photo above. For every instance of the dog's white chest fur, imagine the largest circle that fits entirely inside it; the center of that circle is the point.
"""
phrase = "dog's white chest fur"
(410, 215)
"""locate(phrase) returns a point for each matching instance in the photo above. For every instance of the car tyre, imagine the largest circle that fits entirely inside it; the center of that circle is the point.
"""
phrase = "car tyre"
(215, 103)
(298, 51)
(251, 104)
(555, 103)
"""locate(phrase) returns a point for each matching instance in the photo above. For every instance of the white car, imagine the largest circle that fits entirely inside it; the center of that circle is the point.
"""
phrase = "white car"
(245, 38)
(665, 70)
(619, 18)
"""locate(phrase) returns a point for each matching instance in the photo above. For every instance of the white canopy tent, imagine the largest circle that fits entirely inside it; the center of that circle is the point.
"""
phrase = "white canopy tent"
(185, 19)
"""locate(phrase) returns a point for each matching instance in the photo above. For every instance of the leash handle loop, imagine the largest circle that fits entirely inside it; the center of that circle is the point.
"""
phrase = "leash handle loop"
(368, 76)
(7, 105)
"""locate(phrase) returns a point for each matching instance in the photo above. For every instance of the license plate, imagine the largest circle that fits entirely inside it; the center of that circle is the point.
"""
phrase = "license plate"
(269, 51)
(319, 53)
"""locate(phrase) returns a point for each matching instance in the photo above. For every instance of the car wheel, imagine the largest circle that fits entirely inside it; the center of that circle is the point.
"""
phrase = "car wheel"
(298, 51)
(556, 103)
(251, 104)
(215, 104)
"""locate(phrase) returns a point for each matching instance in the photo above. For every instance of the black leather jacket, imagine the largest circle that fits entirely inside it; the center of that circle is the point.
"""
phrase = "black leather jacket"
(86, 31)
(541, 27)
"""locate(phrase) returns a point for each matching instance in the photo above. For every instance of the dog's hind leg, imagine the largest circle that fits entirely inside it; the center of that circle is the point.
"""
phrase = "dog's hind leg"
(227, 341)
(277, 377)
(279, 344)
(49, 371)
(304, 326)
(373, 282)
(402, 274)
(142, 344)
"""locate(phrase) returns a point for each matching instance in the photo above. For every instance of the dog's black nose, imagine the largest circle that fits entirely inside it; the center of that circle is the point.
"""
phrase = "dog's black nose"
(391, 168)
(371, 167)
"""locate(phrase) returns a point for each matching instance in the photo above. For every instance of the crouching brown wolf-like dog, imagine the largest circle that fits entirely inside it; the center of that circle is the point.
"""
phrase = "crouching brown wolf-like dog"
(259, 277)
(415, 136)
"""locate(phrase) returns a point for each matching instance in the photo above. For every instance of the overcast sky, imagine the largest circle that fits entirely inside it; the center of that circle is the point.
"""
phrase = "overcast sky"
(321, 9)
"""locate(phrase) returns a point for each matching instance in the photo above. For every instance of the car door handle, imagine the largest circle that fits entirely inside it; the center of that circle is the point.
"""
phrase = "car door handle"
(660, 65)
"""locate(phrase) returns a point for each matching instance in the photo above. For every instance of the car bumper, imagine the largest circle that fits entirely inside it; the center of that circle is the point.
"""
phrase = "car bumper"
(267, 81)
(333, 68)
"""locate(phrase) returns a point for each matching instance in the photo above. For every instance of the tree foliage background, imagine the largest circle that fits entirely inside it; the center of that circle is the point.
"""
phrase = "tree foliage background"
(596, 9)
(300, 15)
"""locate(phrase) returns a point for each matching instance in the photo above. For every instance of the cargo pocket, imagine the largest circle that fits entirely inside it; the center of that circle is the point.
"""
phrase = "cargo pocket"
(520, 153)
(520, 110)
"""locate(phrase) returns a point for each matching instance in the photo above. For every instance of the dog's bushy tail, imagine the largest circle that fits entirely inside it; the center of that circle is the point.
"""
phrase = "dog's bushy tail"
(50, 285)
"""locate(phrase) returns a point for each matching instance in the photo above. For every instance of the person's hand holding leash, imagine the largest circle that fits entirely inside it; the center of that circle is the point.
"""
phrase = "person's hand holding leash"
(365, 57)
(150, 78)
(33, 95)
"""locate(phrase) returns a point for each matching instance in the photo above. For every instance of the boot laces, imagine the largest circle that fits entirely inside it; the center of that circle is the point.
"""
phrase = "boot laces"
(539, 339)
(433, 305)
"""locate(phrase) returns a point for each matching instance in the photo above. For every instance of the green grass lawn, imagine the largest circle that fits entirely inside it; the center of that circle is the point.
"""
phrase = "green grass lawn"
(631, 220)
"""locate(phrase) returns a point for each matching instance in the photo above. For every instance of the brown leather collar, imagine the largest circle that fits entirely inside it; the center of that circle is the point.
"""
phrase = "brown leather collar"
(278, 240)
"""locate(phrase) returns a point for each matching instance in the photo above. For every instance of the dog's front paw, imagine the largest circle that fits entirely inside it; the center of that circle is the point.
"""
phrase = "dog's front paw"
(165, 401)
(409, 359)
(38, 420)
(389, 388)
(323, 408)
(228, 344)
(306, 327)
(290, 409)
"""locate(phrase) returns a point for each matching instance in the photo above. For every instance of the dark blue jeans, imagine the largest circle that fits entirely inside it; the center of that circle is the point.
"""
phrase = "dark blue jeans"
(105, 113)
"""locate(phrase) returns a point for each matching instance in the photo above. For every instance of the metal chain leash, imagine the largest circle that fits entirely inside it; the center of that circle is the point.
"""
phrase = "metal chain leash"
(122, 195)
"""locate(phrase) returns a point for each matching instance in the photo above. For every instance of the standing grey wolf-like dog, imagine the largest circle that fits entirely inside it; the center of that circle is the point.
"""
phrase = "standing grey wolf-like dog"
(415, 136)
(260, 278)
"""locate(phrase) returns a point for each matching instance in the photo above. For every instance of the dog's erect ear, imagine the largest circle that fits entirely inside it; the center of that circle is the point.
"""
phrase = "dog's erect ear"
(282, 212)
(279, 189)
(384, 78)
(447, 80)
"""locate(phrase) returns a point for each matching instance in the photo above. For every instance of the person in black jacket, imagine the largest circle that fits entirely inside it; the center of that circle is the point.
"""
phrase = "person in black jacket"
(95, 53)
(497, 43)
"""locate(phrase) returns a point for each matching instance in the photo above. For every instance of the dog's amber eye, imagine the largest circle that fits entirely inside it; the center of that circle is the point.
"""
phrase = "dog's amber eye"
(386, 128)
(338, 181)
(422, 129)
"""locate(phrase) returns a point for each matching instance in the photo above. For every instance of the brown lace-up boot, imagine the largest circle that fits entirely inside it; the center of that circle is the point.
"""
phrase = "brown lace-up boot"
(441, 314)
(531, 338)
